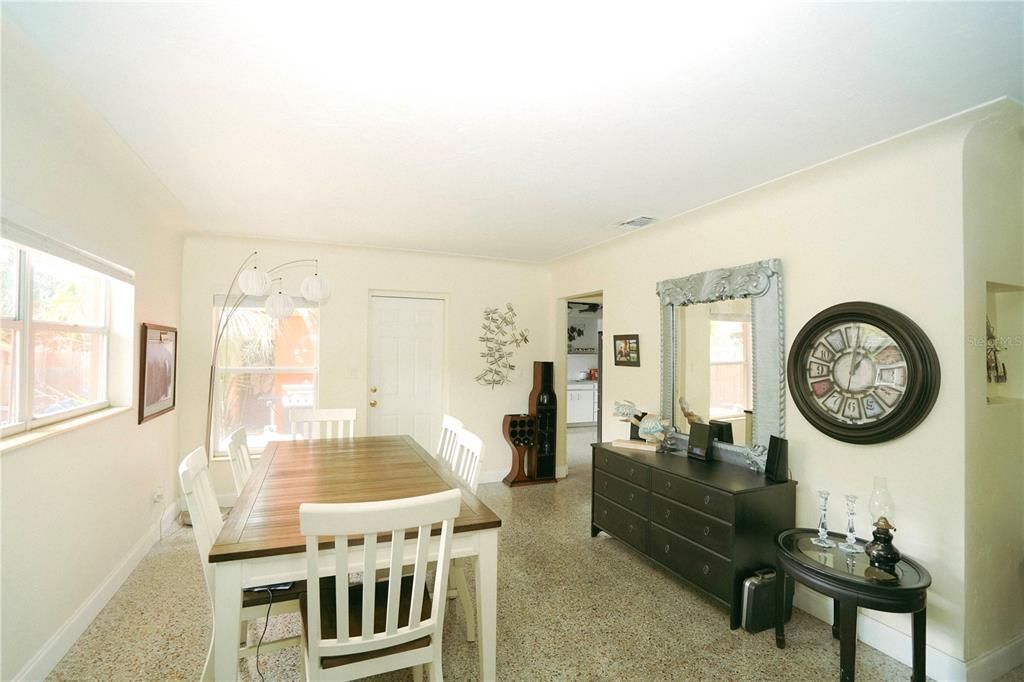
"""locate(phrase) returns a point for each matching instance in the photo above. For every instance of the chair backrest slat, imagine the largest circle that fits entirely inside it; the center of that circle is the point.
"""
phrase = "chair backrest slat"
(341, 596)
(467, 460)
(241, 459)
(327, 423)
(373, 521)
(450, 429)
(419, 575)
(201, 500)
(369, 582)
(394, 583)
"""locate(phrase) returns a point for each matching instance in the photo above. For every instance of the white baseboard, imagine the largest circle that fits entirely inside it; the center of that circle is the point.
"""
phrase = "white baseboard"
(997, 662)
(492, 476)
(49, 655)
(170, 517)
(562, 471)
(891, 642)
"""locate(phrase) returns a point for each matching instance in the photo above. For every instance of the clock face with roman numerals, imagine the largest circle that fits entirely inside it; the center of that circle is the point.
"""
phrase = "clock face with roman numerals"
(856, 373)
(863, 373)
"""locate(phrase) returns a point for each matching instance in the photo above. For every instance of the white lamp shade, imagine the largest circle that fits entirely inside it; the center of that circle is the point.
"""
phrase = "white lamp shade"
(254, 282)
(316, 288)
(279, 305)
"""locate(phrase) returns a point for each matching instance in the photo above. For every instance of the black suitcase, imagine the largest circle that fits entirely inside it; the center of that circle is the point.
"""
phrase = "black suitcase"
(759, 600)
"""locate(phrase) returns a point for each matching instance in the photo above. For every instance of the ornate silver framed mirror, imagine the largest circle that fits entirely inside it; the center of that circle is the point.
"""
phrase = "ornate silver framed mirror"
(723, 352)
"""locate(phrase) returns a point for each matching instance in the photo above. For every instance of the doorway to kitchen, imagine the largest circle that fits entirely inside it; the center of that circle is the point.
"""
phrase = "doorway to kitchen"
(583, 381)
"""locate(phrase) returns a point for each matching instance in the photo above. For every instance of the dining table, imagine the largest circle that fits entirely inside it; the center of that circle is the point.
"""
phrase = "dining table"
(261, 544)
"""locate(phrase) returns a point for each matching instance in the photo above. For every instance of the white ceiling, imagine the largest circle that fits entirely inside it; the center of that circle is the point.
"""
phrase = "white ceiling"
(521, 131)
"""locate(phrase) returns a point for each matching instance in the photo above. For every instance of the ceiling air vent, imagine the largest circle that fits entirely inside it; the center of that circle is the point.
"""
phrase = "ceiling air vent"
(636, 223)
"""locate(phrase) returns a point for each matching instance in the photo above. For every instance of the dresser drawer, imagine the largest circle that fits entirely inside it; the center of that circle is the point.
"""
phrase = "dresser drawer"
(701, 567)
(623, 467)
(700, 497)
(703, 529)
(615, 489)
(620, 522)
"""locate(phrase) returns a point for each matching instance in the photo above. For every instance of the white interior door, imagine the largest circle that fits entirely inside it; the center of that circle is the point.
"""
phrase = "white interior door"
(406, 345)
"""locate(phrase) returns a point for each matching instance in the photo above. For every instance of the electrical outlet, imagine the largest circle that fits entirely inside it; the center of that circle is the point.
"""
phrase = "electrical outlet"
(158, 497)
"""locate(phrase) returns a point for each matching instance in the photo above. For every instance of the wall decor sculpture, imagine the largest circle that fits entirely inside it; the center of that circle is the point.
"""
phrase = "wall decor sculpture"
(996, 371)
(500, 337)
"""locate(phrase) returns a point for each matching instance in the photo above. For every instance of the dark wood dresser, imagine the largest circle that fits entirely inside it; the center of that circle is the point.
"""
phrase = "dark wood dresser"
(710, 523)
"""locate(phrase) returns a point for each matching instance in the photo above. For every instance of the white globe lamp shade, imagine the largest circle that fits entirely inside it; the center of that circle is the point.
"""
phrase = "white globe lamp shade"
(254, 282)
(279, 305)
(316, 288)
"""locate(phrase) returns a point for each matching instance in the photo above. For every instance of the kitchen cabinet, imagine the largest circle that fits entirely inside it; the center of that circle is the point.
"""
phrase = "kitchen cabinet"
(582, 403)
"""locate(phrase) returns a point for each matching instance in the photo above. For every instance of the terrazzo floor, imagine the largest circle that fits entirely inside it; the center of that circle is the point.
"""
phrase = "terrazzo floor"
(570, 607)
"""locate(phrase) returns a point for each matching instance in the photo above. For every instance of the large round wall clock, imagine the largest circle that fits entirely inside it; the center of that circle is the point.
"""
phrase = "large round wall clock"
(863, 373)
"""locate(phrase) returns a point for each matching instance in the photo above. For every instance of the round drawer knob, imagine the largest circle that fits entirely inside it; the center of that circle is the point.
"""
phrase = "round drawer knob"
(707, 530)
(630, 471)
(668, 484)
(604, 512)
(606, 461)
(605, 484)
(707, 499)
(631, 496)
(667, 549)
(707, 569)
(631, 528)
(668, 513)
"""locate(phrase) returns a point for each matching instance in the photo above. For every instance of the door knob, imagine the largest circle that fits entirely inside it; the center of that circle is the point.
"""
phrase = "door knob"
(373, 389)
(373, 403)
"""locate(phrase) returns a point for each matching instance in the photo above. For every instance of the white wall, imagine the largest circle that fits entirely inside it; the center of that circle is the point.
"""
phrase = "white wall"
(77, 506)
(885, 225)
(994, 476)
(469, 284)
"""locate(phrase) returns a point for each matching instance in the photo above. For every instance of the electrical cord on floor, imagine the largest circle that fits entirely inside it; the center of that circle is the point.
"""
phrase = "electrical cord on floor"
(266, 623)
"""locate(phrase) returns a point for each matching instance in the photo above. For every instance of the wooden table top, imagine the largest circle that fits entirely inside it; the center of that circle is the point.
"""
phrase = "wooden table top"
(265, 520)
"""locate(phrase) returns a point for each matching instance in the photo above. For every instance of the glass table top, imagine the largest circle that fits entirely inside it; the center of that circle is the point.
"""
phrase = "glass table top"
(848, 565)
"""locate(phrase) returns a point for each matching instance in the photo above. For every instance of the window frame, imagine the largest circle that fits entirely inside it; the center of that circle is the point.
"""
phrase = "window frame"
(24, 326)
(747, 362)
(220, 302)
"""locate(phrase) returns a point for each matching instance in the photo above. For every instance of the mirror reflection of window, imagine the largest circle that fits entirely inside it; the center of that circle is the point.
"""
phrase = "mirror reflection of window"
(715, 352)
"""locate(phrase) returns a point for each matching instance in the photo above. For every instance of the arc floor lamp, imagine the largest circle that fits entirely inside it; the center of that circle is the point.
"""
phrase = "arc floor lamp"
(251, 281)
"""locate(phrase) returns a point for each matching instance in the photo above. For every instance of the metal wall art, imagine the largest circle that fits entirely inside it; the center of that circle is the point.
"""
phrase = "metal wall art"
(501, 336)
(996, 370)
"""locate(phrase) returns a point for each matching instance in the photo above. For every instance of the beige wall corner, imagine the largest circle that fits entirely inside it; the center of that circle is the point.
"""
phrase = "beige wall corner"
(993, 236)
(75, 507)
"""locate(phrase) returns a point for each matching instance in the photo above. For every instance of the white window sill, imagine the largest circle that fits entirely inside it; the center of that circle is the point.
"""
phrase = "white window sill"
(26, 438)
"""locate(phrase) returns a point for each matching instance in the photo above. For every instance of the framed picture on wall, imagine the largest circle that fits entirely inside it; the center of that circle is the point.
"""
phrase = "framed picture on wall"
(627, 350)
(159, 362)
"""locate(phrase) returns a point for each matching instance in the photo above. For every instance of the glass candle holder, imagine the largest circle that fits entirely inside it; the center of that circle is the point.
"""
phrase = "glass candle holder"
(823, 540)
(851, 534)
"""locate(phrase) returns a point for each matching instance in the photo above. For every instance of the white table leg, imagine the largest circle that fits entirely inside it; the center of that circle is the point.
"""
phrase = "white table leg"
(227, 612)
(487, 604)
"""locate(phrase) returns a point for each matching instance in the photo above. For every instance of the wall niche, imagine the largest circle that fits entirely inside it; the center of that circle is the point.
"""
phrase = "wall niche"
(1004, 343)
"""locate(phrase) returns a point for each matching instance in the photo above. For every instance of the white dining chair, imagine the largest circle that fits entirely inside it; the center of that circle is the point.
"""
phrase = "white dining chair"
(204, 511)
(353, 631)
(241, 462)
(450, 430)
(466, 467)
(327, 423)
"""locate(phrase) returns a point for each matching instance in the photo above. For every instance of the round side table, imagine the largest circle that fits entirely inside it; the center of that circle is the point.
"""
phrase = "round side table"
(852, 582)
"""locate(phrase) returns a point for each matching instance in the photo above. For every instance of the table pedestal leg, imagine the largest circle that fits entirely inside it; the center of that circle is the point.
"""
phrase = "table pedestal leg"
(847, 639)
(487, 604)
(835, 619)
(780, 606)
(918, 632)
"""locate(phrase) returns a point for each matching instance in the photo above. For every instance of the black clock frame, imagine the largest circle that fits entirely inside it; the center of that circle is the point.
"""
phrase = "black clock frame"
(924, 375)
